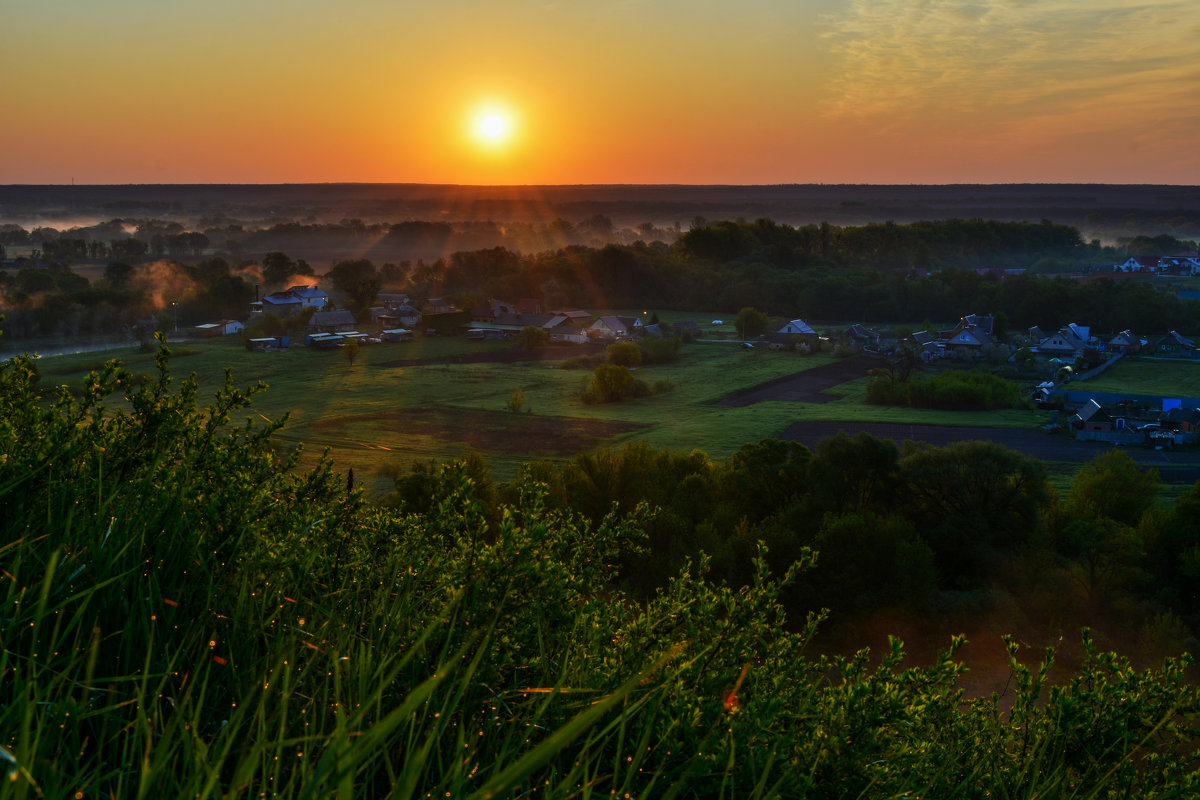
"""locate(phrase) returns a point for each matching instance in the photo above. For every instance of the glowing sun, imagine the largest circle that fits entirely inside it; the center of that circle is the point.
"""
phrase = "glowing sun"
(493, 126)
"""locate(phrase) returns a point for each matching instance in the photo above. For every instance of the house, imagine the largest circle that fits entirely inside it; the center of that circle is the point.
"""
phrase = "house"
(795, 331)
(223, 328)
(437, 305)
(403, 316)
(396, 335)
(528, 305)
(861, 334)
(575, 317)
(1091, 417)
(981, 323)
(1070, 341)
(1186, 262)
(1125, 342)
(1185, 420)
(309, 296)
(798, 326)
(291, 300)
(391, 300)
(488, 310)
(1145, 264)
(613, 328)
(1174, 345)
(970, 338)
(281, 304)
(330, 322)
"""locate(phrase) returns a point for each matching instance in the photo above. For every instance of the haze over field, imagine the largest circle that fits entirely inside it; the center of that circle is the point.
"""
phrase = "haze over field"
(613, 91)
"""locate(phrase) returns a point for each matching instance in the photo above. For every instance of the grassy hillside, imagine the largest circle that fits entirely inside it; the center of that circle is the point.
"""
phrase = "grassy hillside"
(188, 616)
(370, 415)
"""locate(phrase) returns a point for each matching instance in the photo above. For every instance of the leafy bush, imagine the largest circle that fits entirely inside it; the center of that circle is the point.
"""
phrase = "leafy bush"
(659, 351)
(516, 401)
(954, 390)
(624, 354)
(531, 337)
(185, 616)
(609, 384)
(581, 362)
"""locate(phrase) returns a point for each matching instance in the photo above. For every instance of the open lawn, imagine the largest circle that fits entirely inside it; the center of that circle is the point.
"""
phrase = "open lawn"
(1157, 376)
(371, 413)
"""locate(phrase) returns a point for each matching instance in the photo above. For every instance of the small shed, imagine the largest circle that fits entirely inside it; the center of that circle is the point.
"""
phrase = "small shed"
(1091, 417)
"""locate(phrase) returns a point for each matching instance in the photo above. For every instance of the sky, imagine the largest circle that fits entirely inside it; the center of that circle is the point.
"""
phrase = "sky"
(600, 91)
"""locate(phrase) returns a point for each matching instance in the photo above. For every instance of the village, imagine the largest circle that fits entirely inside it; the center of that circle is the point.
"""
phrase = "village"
(1056, 364)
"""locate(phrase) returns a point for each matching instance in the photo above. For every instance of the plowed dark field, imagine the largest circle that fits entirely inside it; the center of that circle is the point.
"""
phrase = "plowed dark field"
(803, 387)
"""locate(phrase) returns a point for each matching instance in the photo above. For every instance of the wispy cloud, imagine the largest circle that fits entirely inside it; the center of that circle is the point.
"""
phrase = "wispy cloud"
(1022, 60)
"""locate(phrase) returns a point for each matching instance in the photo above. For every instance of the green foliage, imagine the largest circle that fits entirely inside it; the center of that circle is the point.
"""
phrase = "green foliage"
(1112, 486)
(624, 354)
(953, 390)
(609, 384)
(350, 350)
(185, 616)
(659, 351)
(750, 323)
(972, 500)
(531, 337)
(357, 280)
(516, 401)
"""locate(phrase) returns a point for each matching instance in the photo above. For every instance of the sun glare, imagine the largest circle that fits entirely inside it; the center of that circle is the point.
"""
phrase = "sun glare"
(493, 127)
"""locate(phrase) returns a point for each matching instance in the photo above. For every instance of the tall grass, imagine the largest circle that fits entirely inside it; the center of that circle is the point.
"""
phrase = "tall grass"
(187, 616)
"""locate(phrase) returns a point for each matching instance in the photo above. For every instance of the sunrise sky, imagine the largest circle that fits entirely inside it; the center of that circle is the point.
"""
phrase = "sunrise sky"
(604, 91)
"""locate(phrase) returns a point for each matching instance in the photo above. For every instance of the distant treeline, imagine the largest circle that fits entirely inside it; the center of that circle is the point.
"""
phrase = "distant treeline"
(874, 273)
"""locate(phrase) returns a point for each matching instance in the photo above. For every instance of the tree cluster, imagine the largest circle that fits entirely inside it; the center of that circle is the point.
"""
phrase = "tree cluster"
(187, 615)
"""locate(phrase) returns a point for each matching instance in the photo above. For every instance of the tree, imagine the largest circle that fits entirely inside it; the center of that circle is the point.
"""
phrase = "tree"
(970, 499)
(516, 401)
(532, 336)
(350, 350)
(624, 354)
(610, 383)
(276, 268)
(118, 274)
(750, 322)
(358, 280)
(1111, 486)
(128, 248)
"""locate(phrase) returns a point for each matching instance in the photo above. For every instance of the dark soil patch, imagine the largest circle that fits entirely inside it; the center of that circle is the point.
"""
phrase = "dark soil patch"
(1173, 466)
(510, 356)
(805, 387)
(486, 431)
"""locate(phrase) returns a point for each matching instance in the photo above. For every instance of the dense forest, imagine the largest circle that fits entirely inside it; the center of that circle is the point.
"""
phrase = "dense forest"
(188, 614)
(870, 273)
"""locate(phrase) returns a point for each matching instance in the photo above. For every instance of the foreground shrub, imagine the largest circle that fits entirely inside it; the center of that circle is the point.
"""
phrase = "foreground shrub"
(184, 617)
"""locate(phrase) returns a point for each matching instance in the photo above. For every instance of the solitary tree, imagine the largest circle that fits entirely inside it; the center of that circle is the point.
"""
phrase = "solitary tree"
(750, 322)
(350, 349)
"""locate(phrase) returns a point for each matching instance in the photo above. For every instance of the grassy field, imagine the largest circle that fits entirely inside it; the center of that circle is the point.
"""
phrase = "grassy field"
(1158, 376)
(369, 414)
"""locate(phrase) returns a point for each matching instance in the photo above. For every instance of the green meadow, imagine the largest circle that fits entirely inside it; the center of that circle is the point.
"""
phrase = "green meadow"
(372, 413)
(1157, 376)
